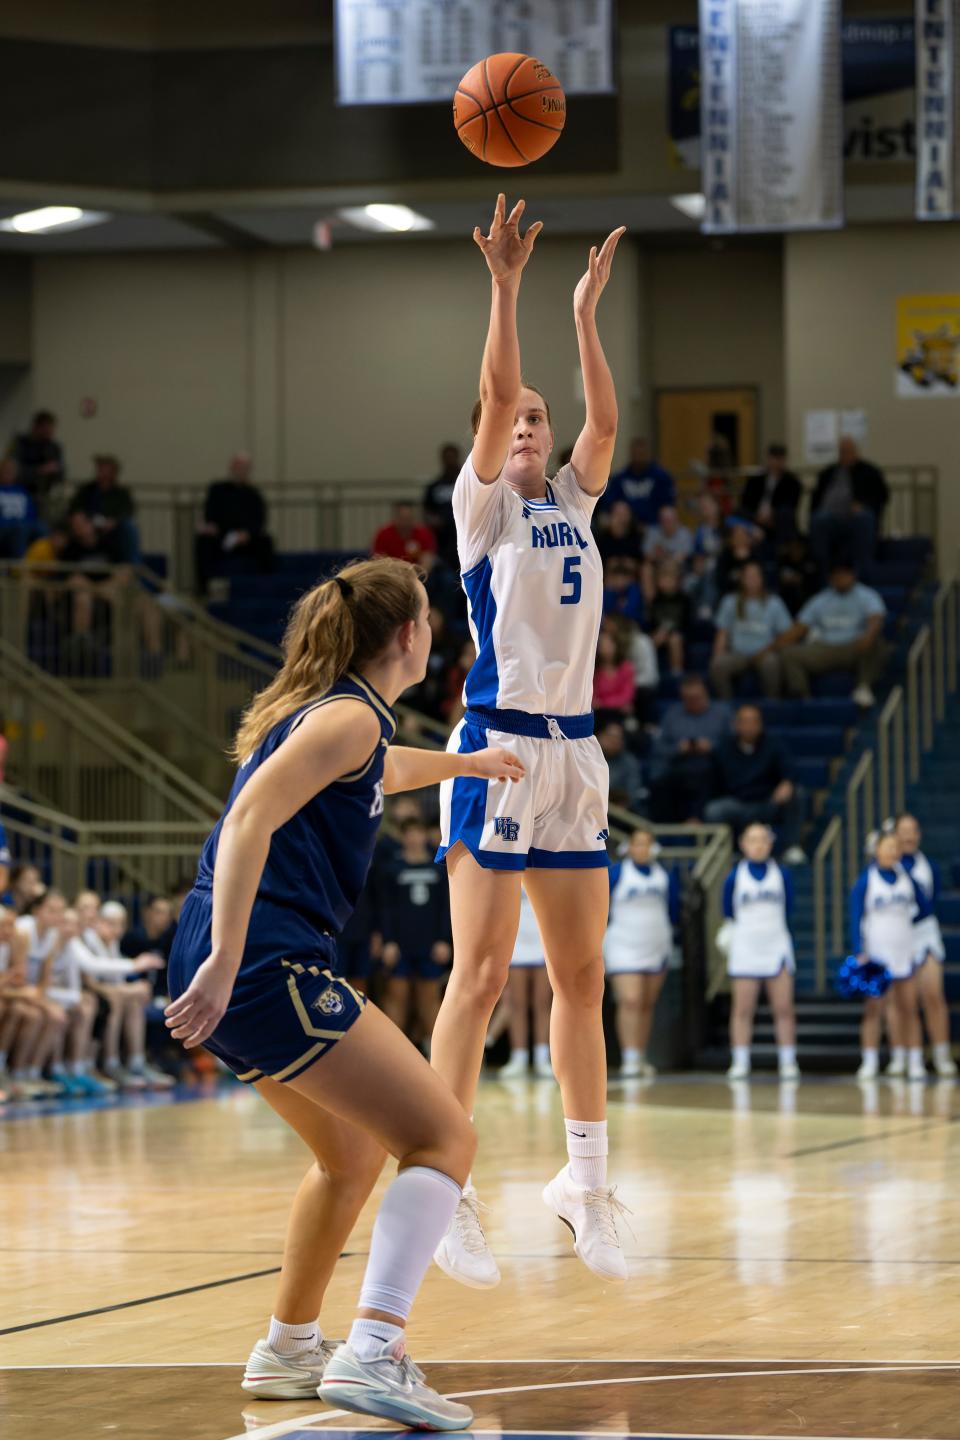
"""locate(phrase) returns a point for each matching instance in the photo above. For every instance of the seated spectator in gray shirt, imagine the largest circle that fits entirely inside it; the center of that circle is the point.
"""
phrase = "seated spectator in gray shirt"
(841, 628)
(748, 626)
(683, 770)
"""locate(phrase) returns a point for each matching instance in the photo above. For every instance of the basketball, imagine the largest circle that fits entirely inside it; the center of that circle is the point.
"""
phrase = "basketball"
(509, 109)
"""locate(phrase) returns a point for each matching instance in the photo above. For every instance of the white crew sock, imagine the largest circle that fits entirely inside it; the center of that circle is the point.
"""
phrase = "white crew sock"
(541, 1054)
(289, 1339)
(136, 1062)
(741, 1055)
(587, 1147)
(521, 1056)
(413, 1219)
(915, 1057)
(941, 1053)
(33, 1072)
(630, 1055)
(871, 1055)
(369, 1338)
(898, 1055)
(787, 1054)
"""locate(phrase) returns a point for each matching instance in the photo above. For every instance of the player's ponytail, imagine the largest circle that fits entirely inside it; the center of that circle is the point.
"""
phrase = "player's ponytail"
(342, 623)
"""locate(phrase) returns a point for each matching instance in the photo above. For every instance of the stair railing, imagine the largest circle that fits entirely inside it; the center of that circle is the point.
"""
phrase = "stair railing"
(920, 708)
(861, 813)
(828, 899)
(891, 758)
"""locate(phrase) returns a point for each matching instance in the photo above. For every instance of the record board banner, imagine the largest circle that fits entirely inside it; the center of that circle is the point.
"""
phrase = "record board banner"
(770, 115)
(938, 109)
(404, 52)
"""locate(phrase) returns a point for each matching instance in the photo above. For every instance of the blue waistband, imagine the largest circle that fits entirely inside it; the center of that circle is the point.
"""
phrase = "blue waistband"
(519, 722)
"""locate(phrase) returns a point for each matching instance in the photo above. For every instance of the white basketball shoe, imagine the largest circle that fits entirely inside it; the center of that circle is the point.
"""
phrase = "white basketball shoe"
(287, 1377)
(393, 1388)
(463, 1253)
(591, 1217)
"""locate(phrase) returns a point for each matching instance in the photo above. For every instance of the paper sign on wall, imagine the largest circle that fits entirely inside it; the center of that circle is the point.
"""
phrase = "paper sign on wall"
(928, 346)
(821, 431)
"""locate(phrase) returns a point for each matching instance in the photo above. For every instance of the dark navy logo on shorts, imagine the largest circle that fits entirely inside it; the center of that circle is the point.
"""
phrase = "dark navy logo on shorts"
(604, 835)
(506, 828)
(329, 1003)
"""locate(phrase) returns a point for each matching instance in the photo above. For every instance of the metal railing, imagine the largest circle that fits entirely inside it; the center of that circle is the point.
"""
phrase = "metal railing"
(111, 857)
(919, 700)
(69, 753)
(860, 812)
(828, 899)
(891, 757)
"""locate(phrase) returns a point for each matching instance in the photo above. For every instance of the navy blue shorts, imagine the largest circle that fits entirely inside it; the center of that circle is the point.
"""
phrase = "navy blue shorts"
(287, 1008)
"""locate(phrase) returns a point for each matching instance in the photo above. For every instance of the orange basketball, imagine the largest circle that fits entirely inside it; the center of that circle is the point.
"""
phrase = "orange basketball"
(509, 109)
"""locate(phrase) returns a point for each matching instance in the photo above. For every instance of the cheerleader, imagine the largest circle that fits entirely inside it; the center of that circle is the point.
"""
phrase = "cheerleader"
(885, 905)
(930, 954)
(757, 900)
(644, 907)
(528, 992)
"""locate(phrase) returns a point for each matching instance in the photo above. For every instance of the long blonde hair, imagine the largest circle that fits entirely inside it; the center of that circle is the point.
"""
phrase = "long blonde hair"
(344, 622)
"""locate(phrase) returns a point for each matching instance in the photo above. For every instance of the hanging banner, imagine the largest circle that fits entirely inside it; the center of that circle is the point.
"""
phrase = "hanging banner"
(938, 109)
(878, 67)
(770, 115)
(928, 346)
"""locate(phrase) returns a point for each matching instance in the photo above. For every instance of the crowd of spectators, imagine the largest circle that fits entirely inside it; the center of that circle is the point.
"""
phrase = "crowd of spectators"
(78, 984)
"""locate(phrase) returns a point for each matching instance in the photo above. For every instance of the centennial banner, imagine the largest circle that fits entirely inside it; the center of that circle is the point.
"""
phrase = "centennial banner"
(938, 109)
(771, 115)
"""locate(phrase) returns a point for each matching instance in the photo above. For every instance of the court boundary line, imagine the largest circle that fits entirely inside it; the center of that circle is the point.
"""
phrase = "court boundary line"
(286, 1427)
(867, 1365)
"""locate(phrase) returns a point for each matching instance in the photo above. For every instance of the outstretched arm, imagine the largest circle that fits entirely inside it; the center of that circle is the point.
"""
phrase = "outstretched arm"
(506, 253)
(593, 452)
(407, 768)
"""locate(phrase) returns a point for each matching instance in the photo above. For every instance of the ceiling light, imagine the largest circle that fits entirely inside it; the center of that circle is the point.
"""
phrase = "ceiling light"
(693, 206)
(52, 217)
(398, 219)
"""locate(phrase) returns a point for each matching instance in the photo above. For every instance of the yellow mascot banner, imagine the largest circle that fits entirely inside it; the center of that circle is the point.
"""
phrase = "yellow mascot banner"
(928, 346)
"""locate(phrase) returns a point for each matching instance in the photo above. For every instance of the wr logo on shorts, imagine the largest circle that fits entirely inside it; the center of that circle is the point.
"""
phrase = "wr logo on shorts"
(506, 828)
(329, 1003)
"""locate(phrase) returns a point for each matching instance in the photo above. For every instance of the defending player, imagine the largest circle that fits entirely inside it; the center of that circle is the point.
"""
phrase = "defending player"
(534, 584)
(250, 973)
(886, 907)
(757, 900)
(644, 908)
(931, 953)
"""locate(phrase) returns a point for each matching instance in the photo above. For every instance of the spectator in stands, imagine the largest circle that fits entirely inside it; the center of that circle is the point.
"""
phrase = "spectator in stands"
(748, 627)
(28, 1031)
(682, 776)
(71, 1064)
(742, 546)
(18, 514)
(798, 575)
(438, 503)
(39, 458)
(110, 507)
(770, 499)
(642, 483)
(670, 613)
(413, 907)
(639, 649)
(96, 576)
(26, 887)
(711, 533)
(847, 509)
(842, 628)
(405, 538)
(614, 681)
(452, 706)
(233, 537)
(621, 536)
(117, 982)
(48, 550)
(153, 936)
(622, 594)
(754, 782)
(667, 539)
(626, 774)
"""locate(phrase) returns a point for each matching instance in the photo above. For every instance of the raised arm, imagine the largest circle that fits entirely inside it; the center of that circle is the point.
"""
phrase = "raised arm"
(593, 452)
(506, 252)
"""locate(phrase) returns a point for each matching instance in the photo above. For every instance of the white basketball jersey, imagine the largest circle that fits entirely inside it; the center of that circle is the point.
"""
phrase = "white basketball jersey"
(534, 584)
(889, 908)
(38, 951)
(922, 872)
(640, 913)
(761, 941)
(528, 949)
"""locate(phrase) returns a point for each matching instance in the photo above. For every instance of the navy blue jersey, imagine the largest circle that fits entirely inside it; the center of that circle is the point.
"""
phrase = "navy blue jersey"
(318, 860)
(412, 902)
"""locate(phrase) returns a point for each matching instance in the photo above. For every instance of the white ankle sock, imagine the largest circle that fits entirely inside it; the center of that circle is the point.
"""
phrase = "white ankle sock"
(871, 1055)
(413, 1219)
(369, 1338)
(519, 1055)
(289, 1339)
(898, 1055)
(630, 1056)
(941, 1053)
(541, 1054)
(587, 1147)
(915, 1057)
(787, 1054)
(741, 1055)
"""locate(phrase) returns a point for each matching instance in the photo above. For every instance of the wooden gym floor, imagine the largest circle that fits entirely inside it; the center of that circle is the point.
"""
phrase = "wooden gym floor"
(795, 1258)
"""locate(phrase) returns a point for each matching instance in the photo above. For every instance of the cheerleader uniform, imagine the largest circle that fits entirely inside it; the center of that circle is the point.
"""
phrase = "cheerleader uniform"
(528, 951)
(885, 908)
(644, 907)
(926, 875)
(757, 900)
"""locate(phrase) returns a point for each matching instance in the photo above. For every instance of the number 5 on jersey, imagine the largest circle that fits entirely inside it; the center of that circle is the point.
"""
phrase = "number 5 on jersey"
(573, 578)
